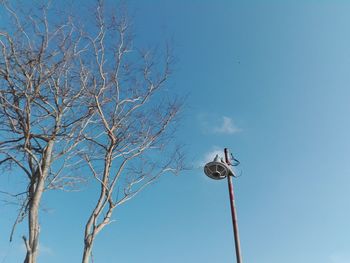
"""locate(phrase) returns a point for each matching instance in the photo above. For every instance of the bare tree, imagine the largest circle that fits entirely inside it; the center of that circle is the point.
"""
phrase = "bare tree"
(90, 96)
(43, 110)
(134, 120)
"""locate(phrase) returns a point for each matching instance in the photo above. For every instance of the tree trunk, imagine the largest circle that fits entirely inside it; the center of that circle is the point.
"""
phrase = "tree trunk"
(36, 191)
(33, 223)
(87, 250)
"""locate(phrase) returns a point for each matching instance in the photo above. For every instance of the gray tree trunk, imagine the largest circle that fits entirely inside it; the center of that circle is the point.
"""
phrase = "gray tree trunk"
(36, 191)
(87, 250)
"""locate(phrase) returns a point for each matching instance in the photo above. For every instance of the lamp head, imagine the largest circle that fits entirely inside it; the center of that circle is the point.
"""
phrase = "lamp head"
(217, 170)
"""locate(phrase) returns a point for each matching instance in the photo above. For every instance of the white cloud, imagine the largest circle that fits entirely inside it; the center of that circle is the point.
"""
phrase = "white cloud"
(45, 250)
(217, 125)
(209, 156)
(227, 126)
(339, 258)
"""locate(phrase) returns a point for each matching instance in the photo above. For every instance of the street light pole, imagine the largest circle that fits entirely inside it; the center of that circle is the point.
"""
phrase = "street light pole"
(233, 212)
(218, 170)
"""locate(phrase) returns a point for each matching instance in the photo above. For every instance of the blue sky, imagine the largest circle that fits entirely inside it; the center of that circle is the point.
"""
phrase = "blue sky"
(271, 81)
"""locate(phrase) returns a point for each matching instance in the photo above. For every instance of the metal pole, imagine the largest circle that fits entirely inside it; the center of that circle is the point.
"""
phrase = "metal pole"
(233, 212)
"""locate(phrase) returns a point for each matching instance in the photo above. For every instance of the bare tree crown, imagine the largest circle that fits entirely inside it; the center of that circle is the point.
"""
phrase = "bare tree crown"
(43, 109)
(72, 95)
(133, 123)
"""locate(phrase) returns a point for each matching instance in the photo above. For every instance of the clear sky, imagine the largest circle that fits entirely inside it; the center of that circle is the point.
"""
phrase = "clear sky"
(271, 81)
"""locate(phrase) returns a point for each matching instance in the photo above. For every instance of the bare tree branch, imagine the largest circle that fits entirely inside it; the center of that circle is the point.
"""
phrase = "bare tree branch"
(134, 121)
(43, 107)
(69, 97)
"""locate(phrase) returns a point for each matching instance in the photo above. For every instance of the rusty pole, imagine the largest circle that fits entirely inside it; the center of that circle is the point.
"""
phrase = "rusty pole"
(233, 212)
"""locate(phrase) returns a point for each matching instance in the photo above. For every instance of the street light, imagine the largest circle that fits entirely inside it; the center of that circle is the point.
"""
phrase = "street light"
(217, 170)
